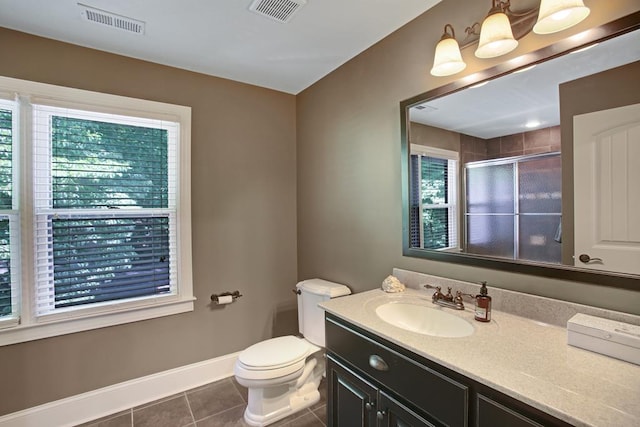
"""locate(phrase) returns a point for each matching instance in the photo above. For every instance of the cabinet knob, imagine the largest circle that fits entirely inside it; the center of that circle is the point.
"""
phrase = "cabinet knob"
(381, 414)
(370, 405)
(378, 363)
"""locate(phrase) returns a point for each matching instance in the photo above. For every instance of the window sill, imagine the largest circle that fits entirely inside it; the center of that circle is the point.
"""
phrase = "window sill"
(24, 333)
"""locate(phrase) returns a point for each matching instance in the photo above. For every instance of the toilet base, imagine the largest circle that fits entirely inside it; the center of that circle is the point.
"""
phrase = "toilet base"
(269, 404)
(294, 403)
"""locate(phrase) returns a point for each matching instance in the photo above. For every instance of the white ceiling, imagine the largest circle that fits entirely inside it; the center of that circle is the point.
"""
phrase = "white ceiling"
(222, 37)
(505, 105)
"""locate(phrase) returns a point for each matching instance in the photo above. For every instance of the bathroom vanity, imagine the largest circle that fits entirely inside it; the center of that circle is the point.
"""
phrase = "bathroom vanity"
(366, 370)
(512, 371)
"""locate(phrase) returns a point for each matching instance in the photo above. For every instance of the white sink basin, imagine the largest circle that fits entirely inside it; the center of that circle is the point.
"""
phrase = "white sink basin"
(424, 320)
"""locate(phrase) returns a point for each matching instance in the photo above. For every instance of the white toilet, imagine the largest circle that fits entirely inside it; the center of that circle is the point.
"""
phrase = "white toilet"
(283, 373)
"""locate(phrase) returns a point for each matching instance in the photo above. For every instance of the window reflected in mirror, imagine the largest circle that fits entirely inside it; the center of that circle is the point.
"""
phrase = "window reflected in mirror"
(434, 198)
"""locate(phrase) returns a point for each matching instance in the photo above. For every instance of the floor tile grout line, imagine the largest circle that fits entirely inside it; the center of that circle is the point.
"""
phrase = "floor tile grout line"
(235, 386)
(221, 412)
(193, 418)
(300, 414)
(157, 401)
(318, 418)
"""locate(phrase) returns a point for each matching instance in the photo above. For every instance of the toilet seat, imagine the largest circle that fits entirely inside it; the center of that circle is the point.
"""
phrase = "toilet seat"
(273, 358)
(275, 353)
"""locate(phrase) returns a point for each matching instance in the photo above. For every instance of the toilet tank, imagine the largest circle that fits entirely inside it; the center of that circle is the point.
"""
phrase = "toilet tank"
(310, 316)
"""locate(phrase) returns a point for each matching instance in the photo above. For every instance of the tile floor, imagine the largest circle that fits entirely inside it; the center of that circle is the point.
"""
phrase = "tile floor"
(219, 404)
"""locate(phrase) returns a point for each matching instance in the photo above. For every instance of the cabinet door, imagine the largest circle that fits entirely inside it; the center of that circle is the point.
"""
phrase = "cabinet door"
(392, 413)
(491, 414)
(351, 401)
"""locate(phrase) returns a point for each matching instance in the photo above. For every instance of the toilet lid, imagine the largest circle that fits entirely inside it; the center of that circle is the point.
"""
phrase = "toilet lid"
(275, 353)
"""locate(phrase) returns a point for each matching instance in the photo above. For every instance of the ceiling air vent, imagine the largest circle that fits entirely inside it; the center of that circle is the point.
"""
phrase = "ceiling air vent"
(278, 10)
(429, 108)
(112, 20)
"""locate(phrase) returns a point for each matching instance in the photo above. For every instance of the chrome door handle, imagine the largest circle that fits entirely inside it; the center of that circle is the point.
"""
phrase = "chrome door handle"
(381, 415)
(370, 405)
(378, 363)
(586, 259)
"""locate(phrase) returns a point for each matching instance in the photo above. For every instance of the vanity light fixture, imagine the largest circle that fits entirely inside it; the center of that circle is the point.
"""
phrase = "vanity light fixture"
(496, 36)
(558, 15)
(448, 59)
(501, 30)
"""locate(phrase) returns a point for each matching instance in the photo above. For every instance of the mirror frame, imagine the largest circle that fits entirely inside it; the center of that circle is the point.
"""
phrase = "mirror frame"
(606, 31)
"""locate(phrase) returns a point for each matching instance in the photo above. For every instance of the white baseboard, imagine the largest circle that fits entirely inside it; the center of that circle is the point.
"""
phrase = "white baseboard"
(119, 397)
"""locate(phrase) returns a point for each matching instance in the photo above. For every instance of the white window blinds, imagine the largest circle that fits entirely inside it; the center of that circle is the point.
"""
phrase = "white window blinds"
(105, 208)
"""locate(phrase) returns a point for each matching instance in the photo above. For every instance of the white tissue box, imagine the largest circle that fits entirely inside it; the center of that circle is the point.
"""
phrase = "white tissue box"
(609, 337)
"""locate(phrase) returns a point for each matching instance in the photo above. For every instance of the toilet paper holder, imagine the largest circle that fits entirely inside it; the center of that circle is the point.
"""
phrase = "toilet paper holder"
(234, 296)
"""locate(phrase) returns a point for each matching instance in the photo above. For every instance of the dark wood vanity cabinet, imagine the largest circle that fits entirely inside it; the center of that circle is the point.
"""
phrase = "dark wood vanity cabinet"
(375, 383)
(492, 413)
(353, 401)
(356, 402)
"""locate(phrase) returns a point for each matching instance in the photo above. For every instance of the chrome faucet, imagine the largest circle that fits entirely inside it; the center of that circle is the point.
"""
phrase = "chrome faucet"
(447, 300)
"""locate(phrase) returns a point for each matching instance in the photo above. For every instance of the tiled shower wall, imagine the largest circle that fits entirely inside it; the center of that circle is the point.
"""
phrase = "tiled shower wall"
(533, 142)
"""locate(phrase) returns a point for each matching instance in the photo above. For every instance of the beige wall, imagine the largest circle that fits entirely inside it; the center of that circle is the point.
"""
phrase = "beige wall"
(244, 225)
(349, 201)
(434, 137)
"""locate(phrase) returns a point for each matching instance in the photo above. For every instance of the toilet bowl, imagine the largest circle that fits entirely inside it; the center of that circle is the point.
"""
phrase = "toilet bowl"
(283, 374)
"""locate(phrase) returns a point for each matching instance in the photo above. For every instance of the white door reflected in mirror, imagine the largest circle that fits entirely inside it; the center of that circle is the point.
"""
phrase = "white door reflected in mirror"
(607, 189)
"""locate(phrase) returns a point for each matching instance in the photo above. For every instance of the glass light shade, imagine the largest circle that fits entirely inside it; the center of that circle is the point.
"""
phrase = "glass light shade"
(447, 59)
(558, 15)
(496, 37)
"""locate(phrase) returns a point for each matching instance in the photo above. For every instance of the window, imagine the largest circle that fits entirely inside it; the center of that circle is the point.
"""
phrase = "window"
(9, 218)
(434, 198)
(105, 209)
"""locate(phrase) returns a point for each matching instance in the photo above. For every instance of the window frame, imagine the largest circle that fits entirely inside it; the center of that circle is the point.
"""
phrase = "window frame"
(453, 189)
(31, 326)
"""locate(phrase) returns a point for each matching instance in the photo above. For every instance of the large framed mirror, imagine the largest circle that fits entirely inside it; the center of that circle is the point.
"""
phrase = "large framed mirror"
(532, 168)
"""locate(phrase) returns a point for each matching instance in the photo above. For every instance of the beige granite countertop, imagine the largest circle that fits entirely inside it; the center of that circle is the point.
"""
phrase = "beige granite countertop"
(526, 359)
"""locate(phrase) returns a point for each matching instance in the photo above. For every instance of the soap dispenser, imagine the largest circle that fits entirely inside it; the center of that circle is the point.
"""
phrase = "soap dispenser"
(483, 304)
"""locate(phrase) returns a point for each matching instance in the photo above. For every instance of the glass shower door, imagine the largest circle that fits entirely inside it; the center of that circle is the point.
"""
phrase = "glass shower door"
(490, 209)
(540, 200)
(513, 208)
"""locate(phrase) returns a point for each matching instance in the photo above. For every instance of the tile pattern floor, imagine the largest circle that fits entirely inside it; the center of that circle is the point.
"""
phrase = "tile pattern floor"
(219, 404)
